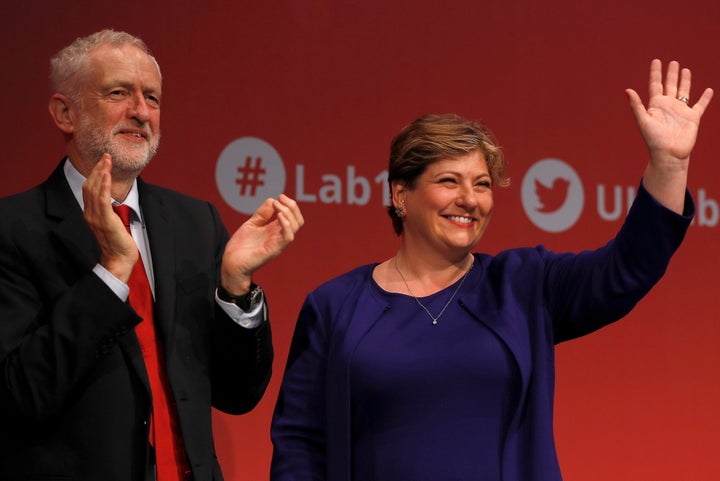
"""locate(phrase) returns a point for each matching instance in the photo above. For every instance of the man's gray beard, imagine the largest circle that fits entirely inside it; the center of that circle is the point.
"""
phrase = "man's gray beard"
(127, 161)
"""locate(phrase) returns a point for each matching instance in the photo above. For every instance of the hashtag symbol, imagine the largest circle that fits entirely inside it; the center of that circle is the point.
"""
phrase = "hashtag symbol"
(250, 176)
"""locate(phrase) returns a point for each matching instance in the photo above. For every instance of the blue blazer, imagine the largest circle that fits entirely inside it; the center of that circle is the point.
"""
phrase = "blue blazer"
(530, 298)
(74, 395)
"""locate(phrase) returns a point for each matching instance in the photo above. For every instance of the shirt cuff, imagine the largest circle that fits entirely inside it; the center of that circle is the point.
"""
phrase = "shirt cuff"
(250, 319)
(116, 285)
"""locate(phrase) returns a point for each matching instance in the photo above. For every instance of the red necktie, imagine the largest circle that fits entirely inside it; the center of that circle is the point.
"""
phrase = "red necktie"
(164, 428)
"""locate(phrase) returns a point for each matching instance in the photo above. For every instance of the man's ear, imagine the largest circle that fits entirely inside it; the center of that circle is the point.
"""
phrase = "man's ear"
(60, 108)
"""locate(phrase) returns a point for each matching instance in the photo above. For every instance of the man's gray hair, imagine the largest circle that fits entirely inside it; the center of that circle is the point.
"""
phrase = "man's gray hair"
(71, 60)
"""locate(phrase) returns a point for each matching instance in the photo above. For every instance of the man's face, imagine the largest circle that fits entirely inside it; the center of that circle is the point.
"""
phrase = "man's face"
(119, 109)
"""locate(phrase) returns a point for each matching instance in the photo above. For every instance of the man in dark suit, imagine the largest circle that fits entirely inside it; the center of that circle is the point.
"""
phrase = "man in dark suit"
(97, 383)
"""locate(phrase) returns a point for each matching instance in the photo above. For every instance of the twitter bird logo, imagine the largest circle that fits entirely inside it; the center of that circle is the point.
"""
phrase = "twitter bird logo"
(551, 197)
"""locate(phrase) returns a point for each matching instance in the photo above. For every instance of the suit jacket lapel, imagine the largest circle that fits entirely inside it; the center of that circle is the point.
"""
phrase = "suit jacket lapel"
(71, 231)
(158, 222)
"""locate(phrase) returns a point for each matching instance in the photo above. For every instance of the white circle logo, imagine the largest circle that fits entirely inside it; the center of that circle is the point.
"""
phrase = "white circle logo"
(552, 195)
(249, 171)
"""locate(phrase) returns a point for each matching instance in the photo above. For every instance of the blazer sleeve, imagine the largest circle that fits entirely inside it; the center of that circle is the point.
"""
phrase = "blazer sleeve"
(298, 429)
(589, 290)
(242, 364)
(241, 358)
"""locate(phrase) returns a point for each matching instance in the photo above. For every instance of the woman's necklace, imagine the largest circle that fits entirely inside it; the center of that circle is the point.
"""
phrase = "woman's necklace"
(434, 318)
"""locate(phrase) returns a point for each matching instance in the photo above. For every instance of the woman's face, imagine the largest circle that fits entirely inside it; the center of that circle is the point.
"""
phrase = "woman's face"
(450, 205)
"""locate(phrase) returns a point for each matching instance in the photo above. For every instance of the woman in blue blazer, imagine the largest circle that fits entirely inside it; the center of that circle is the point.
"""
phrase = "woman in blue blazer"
(438, 364)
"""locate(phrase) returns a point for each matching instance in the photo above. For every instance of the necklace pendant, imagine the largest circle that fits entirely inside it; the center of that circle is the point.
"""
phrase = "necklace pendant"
(434, 319)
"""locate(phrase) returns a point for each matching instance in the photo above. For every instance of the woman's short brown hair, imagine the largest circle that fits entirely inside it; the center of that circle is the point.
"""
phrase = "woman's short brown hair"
(434, 137)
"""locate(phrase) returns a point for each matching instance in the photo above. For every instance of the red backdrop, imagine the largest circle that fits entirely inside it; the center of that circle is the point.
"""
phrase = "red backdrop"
(328, 83)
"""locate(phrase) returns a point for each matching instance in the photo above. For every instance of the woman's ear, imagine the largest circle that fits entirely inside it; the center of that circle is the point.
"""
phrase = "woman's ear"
(399, 189)
(60, 109)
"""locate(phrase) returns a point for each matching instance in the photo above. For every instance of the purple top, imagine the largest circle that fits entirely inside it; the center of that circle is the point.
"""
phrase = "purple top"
(457, 376)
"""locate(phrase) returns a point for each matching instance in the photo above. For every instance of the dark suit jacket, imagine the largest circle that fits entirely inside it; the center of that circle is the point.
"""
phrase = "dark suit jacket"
(74, 396)
(530, 298)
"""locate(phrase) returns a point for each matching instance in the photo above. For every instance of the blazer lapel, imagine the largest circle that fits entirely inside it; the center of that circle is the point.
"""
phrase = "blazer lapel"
(158, 222)
(70, 231)
(484, 300)
(482, 305)
(356, 319)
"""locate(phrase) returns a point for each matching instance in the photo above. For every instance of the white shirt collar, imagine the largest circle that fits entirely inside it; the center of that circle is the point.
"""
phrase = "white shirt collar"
(76, 180)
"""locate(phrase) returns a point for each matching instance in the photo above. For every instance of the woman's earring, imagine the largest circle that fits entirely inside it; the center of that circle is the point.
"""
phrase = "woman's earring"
(400, 212)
